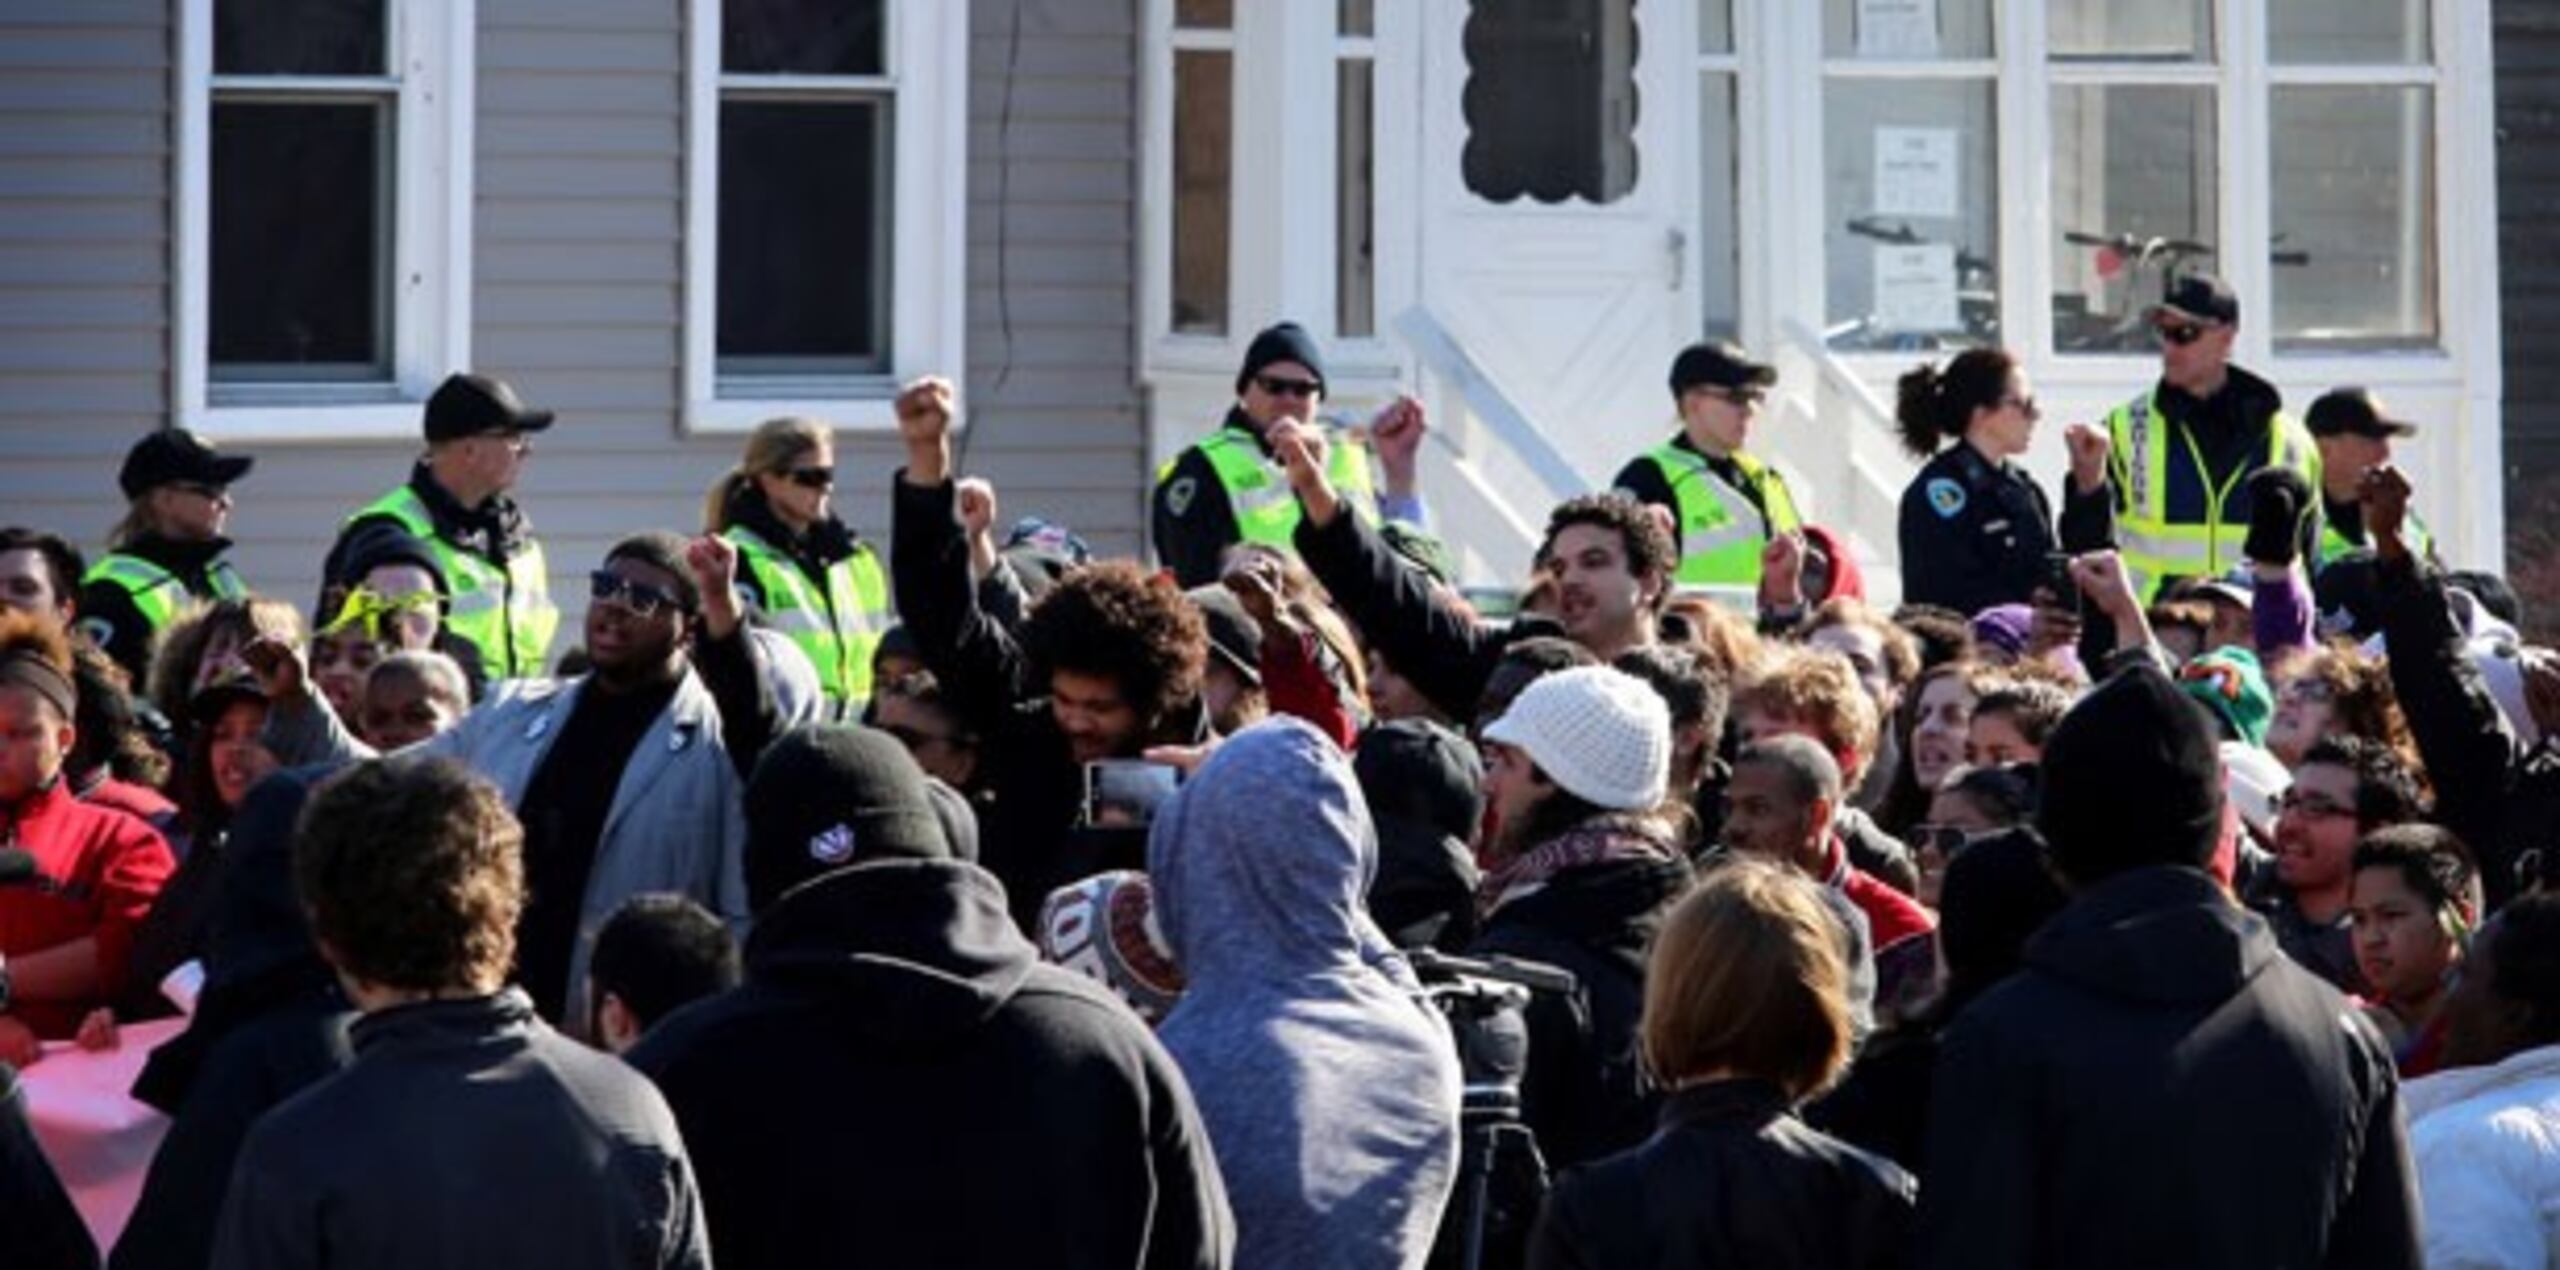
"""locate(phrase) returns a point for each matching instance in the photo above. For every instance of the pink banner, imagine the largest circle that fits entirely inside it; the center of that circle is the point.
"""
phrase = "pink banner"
(99, 1139)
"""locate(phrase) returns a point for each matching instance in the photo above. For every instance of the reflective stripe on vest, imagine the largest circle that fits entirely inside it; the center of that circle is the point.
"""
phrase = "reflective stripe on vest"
(157, 593)
(506, 615)
(839, 627)
(1721, 530)
(2155, 548)
(1266, 509)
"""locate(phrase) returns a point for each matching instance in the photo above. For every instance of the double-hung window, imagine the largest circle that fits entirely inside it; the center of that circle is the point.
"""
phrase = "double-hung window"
(324, 187)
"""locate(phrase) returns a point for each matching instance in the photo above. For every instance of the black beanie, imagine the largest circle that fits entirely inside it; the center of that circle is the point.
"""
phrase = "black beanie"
(1997, 892)
(666, 551)
(2132, 777)
(826, 796)
(1285, 342)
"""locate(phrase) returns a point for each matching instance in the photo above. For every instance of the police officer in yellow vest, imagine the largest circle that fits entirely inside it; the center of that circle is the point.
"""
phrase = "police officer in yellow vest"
(167, 552)
(456, 505)
(2166, 479)
(799, 566)
(1228, 489)
(1725, 503)
(2354, 431)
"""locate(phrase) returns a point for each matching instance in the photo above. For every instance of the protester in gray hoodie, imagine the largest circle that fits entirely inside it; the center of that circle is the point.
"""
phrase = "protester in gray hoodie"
(1329, 1086)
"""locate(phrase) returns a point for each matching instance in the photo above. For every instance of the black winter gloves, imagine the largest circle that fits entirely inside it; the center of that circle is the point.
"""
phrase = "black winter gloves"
(2280, 508)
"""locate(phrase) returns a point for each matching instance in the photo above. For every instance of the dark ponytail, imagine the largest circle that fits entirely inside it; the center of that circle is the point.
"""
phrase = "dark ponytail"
(1932, 406)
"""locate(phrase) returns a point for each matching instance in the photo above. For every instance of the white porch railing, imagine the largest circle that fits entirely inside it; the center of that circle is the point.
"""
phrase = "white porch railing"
(1835, 441)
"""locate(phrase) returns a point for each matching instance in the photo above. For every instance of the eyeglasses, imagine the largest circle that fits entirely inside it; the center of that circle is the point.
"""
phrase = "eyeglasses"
(2026, 406)
(518, 442)
(1279, 387)
(1743, 397)
(1946, 839)
(813, 477)
(2312, 806)
(2309, 690)
(643, 600)
(2180, 334)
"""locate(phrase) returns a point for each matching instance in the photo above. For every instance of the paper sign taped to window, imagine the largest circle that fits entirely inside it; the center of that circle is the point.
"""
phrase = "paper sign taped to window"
(1898, 28)
(1916, 172)
(1916, 287)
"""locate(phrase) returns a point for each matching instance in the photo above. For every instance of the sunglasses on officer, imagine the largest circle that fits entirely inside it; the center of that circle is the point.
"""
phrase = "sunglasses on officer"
(2181, 333)
(604, 586)
(1280, 386)
(812, 477)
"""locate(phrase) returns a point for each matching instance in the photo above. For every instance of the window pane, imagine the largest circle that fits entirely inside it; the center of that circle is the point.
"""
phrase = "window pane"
(301, 250)
(1207, 15)
(1203, 119)
(297, 37)
(1355, 208)
(2373, 31)
(1911, 213)
(1907, 29)
(2134, 198)
(801, 37)
(2353, 217)
(2117, 31)
(1355, 17)
(1551, 99)
(1719, 239)
(804, 211)
(1715, 26)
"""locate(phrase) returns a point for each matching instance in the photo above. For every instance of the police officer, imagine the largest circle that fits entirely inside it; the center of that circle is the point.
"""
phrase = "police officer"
(1726, 504)
(168, 549)
(2354, 431)
(1975, 528)
(2165, 479)
(456, 505)
(1228, 488)
(799, 565)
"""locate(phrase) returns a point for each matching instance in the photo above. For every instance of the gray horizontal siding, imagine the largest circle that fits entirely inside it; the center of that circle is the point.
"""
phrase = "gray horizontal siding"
(578, 276)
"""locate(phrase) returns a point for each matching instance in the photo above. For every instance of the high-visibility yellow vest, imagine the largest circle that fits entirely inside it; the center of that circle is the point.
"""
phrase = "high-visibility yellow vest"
(506, 615)
(1266, 509)
(2156, 548)
(158, 594)
(838, 624)
(2412, 531)
(1722, 531)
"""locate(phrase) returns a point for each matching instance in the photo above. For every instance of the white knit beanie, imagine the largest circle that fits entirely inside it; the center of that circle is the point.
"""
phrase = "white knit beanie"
(1602, 734)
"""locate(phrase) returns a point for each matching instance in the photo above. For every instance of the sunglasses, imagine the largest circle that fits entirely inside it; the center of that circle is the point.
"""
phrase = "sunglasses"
(813, 477)
(2026, 406)
(201, 489)
(1745, 397)
(642, 599)
(2180, 334)
(1946, 839)
(1279, 387)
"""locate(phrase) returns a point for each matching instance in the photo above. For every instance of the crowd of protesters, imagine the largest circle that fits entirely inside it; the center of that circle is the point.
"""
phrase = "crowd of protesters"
(2165, 882)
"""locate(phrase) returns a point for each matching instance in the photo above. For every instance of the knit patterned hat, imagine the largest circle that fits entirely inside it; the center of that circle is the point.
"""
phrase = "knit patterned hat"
(1602, 734)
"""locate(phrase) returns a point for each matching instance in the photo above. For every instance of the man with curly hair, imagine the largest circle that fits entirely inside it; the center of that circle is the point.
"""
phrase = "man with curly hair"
(1106, 665)
(462, 1105)
(1608, 558)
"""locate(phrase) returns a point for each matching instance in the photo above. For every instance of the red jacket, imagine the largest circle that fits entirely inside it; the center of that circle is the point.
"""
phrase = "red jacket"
(97, 872)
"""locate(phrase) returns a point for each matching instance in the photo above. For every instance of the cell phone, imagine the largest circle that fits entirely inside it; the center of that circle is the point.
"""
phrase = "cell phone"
(1125, 792)
(2058, 580)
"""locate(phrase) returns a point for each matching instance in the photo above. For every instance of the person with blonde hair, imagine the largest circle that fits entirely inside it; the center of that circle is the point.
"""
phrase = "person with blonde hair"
(800, 566)
(1746, 1015)
(167, 552)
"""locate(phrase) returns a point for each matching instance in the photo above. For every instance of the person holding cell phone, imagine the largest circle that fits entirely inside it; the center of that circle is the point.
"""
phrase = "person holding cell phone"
(2165, 480)
(1975, 527)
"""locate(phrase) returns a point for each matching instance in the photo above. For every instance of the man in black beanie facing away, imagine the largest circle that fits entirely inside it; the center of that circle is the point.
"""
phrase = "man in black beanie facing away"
(900, 1081)
(2159, 1085)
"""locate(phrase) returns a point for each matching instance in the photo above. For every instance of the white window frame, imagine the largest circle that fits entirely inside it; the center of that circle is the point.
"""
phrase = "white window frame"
(927, 81)
(431, 55)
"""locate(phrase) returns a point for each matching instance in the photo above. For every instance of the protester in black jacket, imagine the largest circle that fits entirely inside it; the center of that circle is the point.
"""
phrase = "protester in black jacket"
(268, 1023)
(1578, 875)
(2500, 796)
(2159, 1086)
(1746, 1013)
(1108, 664)
(899, 1081)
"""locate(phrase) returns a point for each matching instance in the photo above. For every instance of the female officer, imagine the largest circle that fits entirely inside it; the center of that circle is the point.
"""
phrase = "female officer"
(167, 552)
(797, 564)
(1975, 528)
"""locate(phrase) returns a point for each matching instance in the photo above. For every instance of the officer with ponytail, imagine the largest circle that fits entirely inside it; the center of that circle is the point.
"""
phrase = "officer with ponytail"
(1975, 528)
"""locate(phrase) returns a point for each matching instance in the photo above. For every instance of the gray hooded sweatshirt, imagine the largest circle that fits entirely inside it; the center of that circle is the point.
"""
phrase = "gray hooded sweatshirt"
(1329, 1086)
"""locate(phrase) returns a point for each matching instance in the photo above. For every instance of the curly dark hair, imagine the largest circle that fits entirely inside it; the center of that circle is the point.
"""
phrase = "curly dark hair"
(1647, 543)
(1116, 621)
(2386, 790)
(108, 733)
(412, 871)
